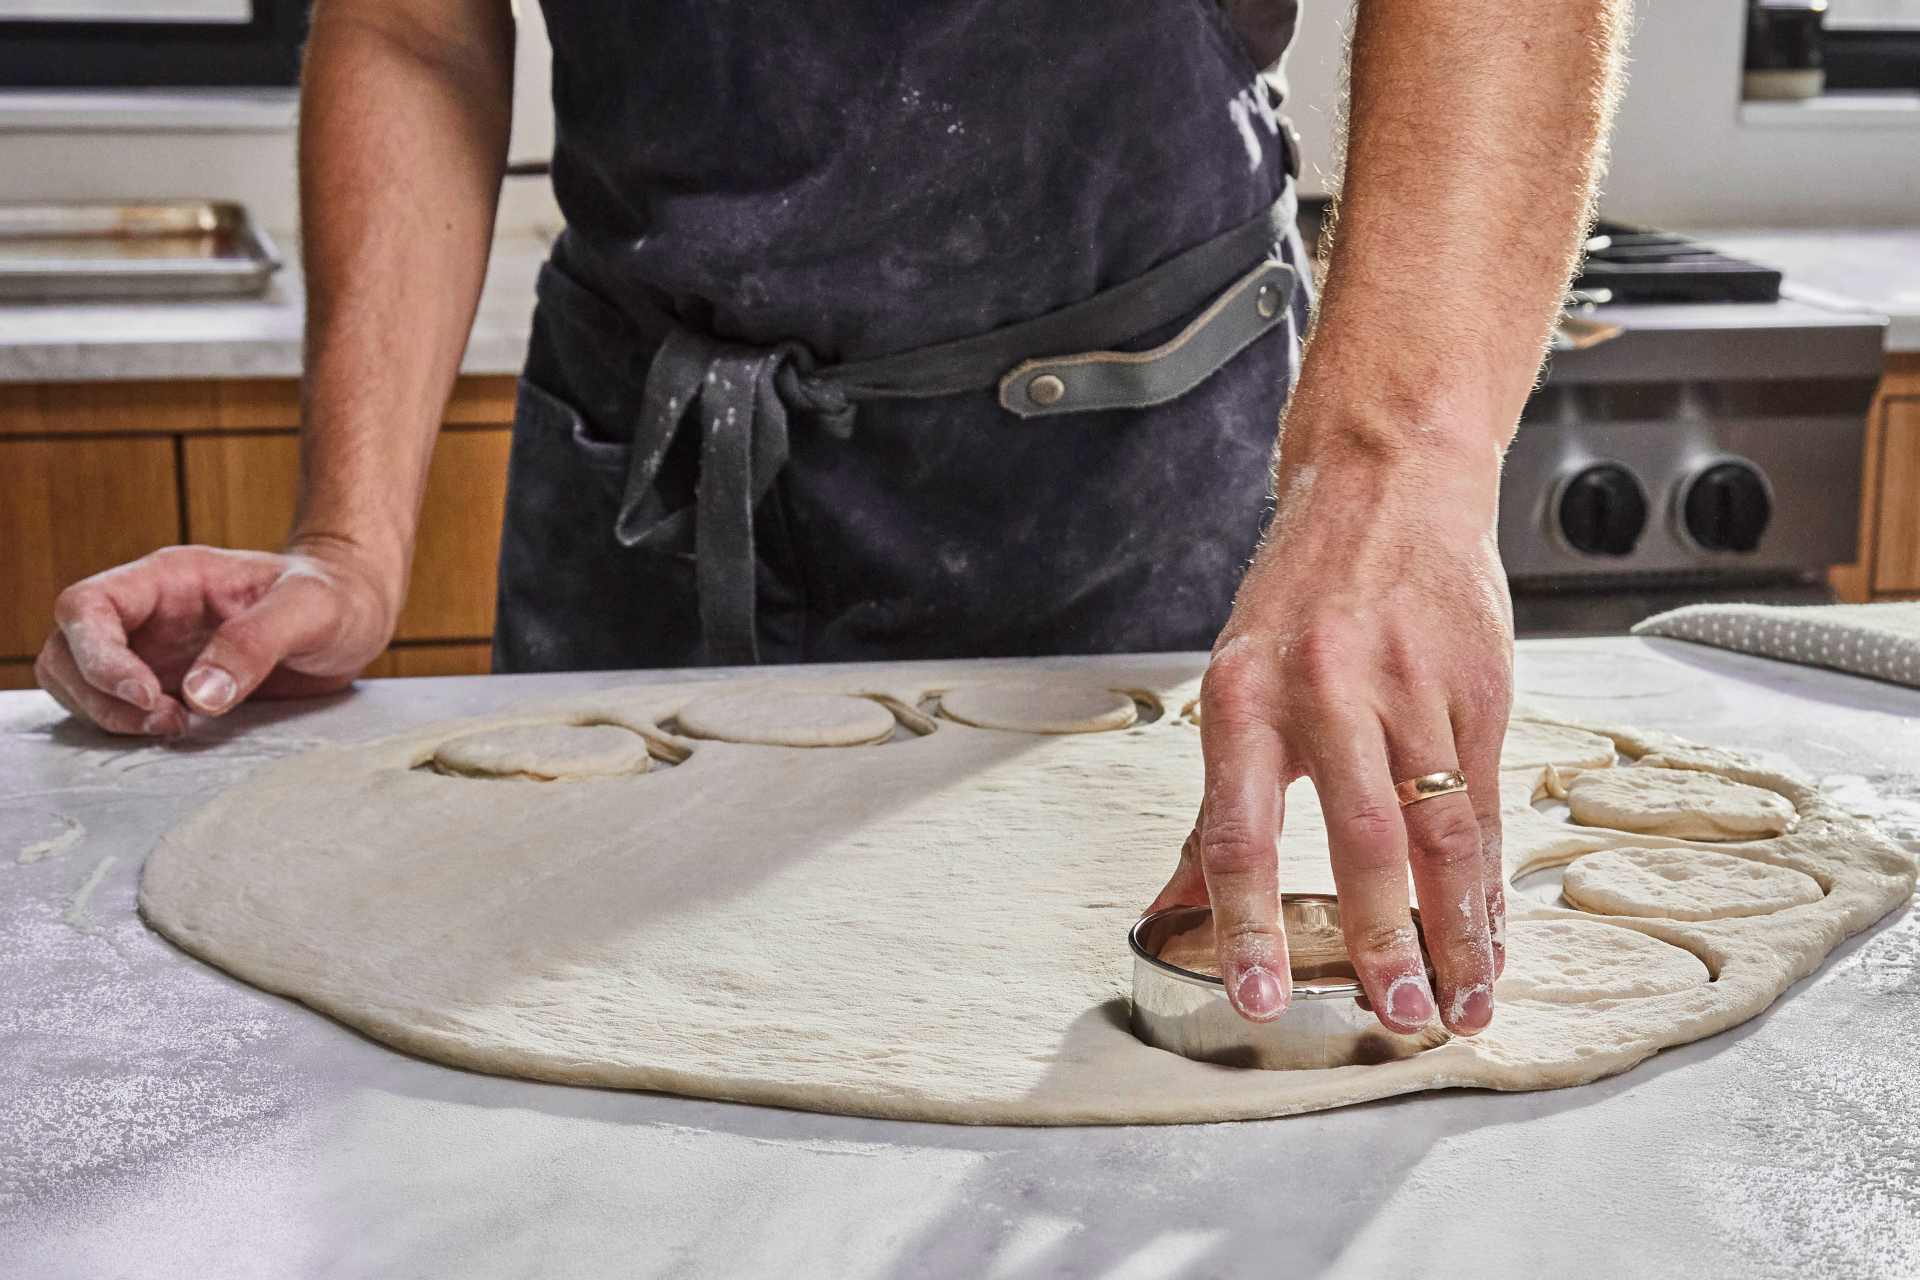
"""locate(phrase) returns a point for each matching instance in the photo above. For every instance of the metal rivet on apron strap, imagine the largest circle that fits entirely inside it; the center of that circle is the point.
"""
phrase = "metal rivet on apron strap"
(1046, 390)
(1267, 301)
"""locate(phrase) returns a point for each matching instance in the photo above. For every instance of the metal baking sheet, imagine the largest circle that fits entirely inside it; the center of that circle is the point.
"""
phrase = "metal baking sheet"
(169, 250)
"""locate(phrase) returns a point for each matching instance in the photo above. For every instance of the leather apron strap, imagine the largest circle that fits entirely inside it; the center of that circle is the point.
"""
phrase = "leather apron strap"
(1063, 362)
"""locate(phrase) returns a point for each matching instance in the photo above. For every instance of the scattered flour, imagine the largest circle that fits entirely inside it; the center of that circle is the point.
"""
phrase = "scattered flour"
(71, 834)
(76, 913)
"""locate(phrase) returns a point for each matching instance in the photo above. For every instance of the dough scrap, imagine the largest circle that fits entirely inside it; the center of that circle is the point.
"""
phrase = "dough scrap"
(768, 716)
(547, 752)
(1531, 744)
(1683, 884)
(1683, 803)
(1569, 961)
(973, 892)
(1039, 708)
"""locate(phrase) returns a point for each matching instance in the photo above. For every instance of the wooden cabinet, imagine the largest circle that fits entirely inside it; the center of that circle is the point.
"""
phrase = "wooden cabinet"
(1889, 566)
(454, 561)
(241, 490)
(69, 508)
(93, 475)
(473, 659)
(1896, 561)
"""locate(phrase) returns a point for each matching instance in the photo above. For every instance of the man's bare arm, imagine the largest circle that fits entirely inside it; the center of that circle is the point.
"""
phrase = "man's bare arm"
(1372, 639)
(404, 113)
(1473, 146)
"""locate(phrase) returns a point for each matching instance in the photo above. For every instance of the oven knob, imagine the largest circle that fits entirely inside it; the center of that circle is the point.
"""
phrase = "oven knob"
(1727, 507)
(1602, 510)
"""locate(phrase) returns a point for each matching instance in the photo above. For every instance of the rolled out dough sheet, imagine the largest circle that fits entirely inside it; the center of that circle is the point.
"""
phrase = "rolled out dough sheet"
(932, 928)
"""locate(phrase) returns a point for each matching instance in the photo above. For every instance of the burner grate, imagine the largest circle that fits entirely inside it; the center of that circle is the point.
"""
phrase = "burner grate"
(1625, 263)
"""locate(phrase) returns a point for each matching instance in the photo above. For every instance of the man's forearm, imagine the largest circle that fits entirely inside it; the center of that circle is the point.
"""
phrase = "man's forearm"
(1473, 151)
(1372, 639)
(405, 109)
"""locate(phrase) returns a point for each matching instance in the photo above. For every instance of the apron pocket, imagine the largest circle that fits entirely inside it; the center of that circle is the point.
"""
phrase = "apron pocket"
(570, 596)
(538, 412)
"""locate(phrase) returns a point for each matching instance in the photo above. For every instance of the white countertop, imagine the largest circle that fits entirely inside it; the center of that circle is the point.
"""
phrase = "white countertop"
(1874, 270)
(159, 1118)
(242, 338)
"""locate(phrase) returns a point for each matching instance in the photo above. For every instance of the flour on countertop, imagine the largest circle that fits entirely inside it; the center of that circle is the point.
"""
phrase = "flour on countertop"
(71, 834)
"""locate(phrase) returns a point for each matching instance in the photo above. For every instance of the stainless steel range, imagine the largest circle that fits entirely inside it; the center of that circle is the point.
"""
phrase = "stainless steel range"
(1681, 448)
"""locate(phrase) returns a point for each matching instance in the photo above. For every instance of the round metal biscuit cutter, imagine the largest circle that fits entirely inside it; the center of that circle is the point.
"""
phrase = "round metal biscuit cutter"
(1179, 1007)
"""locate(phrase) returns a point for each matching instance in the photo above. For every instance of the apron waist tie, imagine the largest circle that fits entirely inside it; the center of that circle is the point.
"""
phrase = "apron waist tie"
(744, 394)
(747, 394)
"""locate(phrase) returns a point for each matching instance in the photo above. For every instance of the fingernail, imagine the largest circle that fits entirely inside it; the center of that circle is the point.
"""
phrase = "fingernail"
(163, 724)
(1409, 1002)
(1472, 1009)
(210, 688)
(1259, 994)
(136, 693)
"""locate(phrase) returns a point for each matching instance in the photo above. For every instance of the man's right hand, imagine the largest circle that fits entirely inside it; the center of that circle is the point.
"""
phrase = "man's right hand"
(202, 629)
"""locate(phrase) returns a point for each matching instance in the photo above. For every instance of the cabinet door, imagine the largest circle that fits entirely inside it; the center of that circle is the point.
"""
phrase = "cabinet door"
(470, 659)
(71, 507)
(456, 557)
(1896, 561)
(241, 491)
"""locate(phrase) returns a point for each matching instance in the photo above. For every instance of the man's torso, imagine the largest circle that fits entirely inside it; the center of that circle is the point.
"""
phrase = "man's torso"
(873, 177)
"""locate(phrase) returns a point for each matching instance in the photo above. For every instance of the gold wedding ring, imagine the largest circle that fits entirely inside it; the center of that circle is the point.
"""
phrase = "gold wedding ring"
(1428, 785)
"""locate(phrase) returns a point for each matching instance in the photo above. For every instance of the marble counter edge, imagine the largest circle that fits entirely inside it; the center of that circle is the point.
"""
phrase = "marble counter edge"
(239, 339)
(1827, 266)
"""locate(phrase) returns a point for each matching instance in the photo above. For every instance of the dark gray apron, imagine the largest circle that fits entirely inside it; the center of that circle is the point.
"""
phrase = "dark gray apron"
(817, 370)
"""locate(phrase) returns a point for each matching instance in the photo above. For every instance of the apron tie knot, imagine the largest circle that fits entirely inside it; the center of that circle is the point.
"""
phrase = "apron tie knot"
(823, 400)
(745, 395)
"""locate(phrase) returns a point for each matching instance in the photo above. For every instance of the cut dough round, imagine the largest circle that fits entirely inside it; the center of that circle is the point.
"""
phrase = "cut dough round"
(1039, 708)
(545, 751)
(1577, 961)
(1683, 884)
(1531, 745)
(1683, 803)
(769, 717)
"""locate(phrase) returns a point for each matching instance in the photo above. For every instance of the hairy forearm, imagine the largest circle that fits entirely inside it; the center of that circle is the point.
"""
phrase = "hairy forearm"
(1473, 148)
(403, 140)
